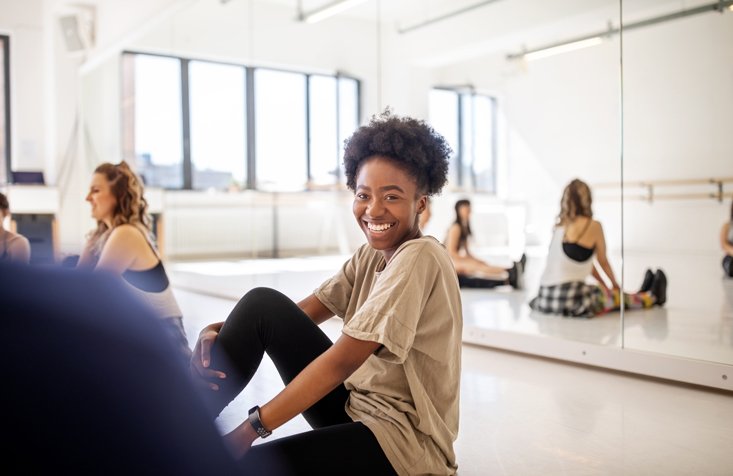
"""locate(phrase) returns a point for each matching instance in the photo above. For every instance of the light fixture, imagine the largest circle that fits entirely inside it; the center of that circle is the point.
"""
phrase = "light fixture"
(328, 10)
(597, 38)
(563, 48)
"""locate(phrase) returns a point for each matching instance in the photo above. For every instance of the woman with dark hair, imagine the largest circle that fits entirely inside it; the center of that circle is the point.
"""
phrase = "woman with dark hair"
(473, 272)
(123, 243)
(383, 399)
(726, 242)
(15, 247)
(577, 251)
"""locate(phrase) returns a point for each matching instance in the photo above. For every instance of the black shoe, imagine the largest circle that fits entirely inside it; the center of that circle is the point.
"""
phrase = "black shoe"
(515, 277)
(646, 285)
(522, 263)
(659, 287)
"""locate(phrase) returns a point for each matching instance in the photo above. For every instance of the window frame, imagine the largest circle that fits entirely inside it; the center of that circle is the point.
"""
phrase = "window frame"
(249, 111)
(7, 158)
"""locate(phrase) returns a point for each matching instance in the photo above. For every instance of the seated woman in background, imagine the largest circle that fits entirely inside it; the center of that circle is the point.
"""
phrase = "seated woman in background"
(473, 272)
(577, 239)
(123, 242)
(726, 242)
(13, 246)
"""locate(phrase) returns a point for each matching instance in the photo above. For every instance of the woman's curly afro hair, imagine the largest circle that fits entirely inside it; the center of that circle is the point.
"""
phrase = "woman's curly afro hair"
(412, 144)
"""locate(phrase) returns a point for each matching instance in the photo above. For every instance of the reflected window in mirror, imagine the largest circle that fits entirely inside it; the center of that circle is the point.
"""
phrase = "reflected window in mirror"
(468, 122)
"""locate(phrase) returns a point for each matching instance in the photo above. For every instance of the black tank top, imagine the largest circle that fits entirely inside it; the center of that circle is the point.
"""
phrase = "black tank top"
(153, 280)
(577, 252)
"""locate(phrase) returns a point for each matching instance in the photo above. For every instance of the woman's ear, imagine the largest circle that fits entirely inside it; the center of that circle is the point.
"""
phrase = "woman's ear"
(422, 203)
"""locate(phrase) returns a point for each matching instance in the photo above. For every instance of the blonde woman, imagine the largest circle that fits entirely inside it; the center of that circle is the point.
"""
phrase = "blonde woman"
(577, 251)
(122, 242)
(13, 247)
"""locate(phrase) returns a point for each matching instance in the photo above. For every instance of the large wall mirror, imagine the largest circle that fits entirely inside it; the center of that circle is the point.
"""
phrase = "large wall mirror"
(678, 174)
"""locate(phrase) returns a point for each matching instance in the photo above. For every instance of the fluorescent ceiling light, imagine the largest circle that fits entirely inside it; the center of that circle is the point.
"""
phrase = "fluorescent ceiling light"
(564, 48)
(597, 38)
(329, 10)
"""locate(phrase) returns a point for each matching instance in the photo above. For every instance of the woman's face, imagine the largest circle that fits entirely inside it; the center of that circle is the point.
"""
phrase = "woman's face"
(386, 205)
(464, 212)
(102, 199)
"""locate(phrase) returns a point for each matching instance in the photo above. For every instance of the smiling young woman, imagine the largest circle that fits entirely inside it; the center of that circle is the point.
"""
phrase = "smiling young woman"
(383, 399)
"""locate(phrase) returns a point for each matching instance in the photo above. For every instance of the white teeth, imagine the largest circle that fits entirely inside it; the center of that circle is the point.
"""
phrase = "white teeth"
(382, 227)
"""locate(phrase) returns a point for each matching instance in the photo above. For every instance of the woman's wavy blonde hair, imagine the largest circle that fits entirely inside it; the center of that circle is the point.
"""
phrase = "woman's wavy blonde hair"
(131, 207)
(576, 202)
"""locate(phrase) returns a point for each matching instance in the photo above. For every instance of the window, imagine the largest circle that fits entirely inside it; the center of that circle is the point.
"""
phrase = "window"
(280, 130)
(4, 110)
(467, 120)
(218, 125)
(198, 124)
(333, 117)
(152, 100)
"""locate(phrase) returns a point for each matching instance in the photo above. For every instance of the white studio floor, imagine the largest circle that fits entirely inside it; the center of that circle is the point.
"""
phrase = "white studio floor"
(523, 415)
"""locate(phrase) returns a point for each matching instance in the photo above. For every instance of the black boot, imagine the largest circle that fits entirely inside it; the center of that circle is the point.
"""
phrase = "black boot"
(646, 285)
(522, 263)
(515, 277)
(659, 287)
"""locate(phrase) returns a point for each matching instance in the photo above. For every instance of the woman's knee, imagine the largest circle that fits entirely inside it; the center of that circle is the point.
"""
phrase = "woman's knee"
(260, 299)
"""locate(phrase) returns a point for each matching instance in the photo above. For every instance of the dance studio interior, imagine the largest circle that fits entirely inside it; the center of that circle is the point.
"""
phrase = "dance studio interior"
(234, 114)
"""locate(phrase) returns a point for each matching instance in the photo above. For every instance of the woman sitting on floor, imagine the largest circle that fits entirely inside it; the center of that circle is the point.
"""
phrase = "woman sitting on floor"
(383, 399)
(15, 247)
(726, 243)
(473, 272)
(123, 242)
(576, 241)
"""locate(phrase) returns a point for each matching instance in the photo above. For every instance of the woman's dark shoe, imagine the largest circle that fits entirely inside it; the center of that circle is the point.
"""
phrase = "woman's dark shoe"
(659, 287)
(522, 263)
(646, 285)
(515, 276)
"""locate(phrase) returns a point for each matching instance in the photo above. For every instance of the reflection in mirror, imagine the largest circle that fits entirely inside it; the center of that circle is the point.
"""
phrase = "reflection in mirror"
(528, 126)
(678, 178)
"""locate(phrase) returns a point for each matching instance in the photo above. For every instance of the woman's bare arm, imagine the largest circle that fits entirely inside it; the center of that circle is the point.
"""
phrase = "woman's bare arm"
(122, 249)
(452, 240)
(600, 245)
(727, 247)
(315, 309)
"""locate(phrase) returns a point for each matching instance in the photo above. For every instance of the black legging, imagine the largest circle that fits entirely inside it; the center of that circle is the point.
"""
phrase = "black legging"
(728, 265)
(265, 320)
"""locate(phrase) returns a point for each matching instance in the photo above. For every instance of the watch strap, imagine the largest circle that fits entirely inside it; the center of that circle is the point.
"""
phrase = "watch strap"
(254, 420)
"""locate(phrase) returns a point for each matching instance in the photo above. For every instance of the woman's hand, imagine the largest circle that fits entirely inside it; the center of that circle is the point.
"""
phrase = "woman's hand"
(240, 440)
(201, 358)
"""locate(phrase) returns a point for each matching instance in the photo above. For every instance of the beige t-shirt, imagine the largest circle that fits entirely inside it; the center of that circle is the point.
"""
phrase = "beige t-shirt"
(407, 393)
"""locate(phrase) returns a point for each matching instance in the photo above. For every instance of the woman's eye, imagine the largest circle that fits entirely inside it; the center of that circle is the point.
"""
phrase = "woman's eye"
(361, 196)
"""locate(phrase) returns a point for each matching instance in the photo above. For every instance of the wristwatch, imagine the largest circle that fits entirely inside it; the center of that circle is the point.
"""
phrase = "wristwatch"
(254, 420)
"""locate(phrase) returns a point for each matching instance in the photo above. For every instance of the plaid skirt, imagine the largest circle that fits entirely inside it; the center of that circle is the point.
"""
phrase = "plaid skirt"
(575, 299)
